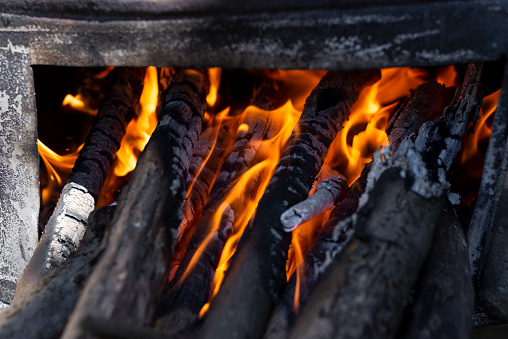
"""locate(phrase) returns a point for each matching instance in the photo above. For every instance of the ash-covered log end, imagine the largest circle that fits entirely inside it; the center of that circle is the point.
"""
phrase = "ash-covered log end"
(61, 237)
(328, 194)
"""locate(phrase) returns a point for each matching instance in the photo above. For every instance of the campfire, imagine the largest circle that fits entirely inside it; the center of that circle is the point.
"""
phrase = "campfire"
(279, 171)
(280, 205)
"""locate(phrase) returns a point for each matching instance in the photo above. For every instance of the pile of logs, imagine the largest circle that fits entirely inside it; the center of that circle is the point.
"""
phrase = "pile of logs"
(392, 260)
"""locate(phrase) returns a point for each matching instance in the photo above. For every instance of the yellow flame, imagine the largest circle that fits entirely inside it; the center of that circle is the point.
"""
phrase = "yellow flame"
(214, 75)
(139, 130)
(58, 166)
(254, 181)
(77, 103)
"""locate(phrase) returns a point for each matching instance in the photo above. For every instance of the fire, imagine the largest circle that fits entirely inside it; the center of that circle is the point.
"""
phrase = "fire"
(140, 129)
(254, 181)
(214, 75)
(471, 155)
(78, 104)
(58, 167)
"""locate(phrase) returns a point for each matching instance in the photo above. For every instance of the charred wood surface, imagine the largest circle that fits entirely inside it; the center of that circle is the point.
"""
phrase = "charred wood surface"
(133, 269)
(43, 312)
(254, 281)
(425, 103)
(488, 228)
(188, 294)
(441, 305)
(202, 173)
(115, 112)
(371, 280)
(418, 169)
(68, 222)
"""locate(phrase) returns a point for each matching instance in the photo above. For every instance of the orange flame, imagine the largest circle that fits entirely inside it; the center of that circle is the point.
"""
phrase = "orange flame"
(214, 74)
(258, 176)
(58, 166)
(139, 130)
(470, 147)
(77, 103)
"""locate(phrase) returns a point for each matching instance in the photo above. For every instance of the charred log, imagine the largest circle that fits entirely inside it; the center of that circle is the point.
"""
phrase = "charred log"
(425, 103)
(47, 306)
(366, 281)
(441, 305)
(143, 230)
(489, 225)
(68, 222)
(254, 281)
(361, 282)
(184, 301)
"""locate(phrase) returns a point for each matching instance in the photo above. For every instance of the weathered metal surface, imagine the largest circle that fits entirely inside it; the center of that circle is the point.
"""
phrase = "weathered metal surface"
(19, 167)
(416, 34)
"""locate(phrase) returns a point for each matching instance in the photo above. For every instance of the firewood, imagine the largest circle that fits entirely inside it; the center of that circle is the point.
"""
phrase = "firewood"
(441, 305)
(425, 103)
(371, 279)
(200, 182)
(182, 305)
(133, 269)
(44, 310)
(257, 273)
(68, 222)
(329, 192)
(488, 226)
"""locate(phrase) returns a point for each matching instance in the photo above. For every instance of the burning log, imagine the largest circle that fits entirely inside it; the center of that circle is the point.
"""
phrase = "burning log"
(371, 280)
(253, 284)
(488, 227)
(184, 301)
(329, 193)
(125, 284)
(206, 161)
(47, 306)
(67, 225)
(425, 103)
(442, 301)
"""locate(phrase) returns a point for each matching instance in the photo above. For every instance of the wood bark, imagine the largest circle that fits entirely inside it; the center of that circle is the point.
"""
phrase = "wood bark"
(254, 281)
(184, 301)
(43, 312)
(133, 269)
(488, 227)
(441, 305)
(425, 103)
(68, 222)
(371, 280)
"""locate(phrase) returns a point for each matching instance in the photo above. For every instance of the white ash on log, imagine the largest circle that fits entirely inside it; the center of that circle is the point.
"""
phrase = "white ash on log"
(188, 292)
(441, 304)
(489, 225)
(425, 103)
(43, 312)
(328, 194)
(256, 276)
(133, 269)
(68, 222)
(19, 164)
(371, 279)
